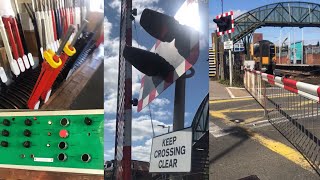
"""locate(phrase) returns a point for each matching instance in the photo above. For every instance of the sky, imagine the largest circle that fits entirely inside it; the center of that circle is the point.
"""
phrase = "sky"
(310, 35)
(161, 108)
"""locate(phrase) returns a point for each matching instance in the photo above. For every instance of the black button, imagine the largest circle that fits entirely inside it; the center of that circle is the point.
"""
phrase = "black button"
(5, 133)
(88, 121)
(28, 122)
(64, 121)
(4, 144)
(27, 144)
(6, 122)
(27, 133)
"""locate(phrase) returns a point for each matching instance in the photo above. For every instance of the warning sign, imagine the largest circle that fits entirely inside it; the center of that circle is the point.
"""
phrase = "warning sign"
(172, 152)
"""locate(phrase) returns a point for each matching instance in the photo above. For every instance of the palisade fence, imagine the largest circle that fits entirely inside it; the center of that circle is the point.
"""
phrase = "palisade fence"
(292, 107)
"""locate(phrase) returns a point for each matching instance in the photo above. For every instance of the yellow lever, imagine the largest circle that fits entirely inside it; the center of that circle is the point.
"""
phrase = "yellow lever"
(50, 57)
(69, 51)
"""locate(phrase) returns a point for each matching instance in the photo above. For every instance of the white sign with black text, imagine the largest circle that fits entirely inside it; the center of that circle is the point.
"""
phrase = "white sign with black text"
(228, 45)
(172, 152)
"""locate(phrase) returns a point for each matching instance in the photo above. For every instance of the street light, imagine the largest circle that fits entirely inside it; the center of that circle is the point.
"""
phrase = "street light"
(163, 126)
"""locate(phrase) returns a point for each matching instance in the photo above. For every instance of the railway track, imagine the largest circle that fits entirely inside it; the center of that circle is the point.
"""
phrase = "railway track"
(301, 72)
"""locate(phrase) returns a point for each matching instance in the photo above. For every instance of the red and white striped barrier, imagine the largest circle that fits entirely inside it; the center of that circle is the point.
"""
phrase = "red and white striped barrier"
(306, 90)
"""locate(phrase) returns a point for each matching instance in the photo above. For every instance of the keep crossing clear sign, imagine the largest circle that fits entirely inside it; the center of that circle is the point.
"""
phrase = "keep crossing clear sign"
(172, 152)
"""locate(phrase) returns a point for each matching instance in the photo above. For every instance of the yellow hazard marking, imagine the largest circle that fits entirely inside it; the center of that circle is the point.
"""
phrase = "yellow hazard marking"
(253, 119)
(275, 146)
(229, 100)
(221, 114)
(282, 149)
(241, 110)
(218, 114)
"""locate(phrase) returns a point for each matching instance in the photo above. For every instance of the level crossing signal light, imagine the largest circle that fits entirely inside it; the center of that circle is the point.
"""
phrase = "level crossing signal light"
(225, 23)
(164, 28)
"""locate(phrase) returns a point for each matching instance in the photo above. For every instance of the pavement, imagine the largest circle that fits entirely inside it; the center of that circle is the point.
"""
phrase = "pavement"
(220, 91)
(243, 143)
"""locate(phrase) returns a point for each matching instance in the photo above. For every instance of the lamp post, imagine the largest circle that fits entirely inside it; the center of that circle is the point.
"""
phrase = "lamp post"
(164, 126)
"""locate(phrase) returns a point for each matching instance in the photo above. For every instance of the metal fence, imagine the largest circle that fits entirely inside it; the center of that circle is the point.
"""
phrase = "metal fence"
(292, 107)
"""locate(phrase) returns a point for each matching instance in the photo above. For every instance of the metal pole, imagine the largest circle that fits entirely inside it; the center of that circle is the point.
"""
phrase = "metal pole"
(230, 62)
(127, 155)
(179, 108)
(302, 60)
(294, 47)
(280, 45)
(230, 67)
(222, 6)
(179, 104)
(289, 48)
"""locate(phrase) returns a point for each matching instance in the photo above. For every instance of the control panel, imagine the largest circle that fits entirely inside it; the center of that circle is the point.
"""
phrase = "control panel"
(67, 139)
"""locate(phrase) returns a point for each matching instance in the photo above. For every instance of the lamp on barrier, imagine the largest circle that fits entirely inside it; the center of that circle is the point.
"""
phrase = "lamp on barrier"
(147, 62)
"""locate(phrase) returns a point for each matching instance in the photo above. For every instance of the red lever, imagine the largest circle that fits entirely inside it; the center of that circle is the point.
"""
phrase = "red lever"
(7, 25)
(16, 33)
(54, 25)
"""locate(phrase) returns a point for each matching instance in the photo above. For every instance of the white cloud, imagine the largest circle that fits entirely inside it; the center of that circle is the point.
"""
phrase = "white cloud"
(238, 12)
(142, 153)
(141, 127)
(187, 114)
(159, 110)
(162, 114)
(161, 102)
(109, 154)
(110, 68)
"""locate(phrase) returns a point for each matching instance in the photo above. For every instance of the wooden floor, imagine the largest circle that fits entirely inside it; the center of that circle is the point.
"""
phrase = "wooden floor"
(64, 97)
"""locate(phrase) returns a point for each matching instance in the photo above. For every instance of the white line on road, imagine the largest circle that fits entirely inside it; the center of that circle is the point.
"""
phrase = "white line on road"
(216, 131)
(230, 93)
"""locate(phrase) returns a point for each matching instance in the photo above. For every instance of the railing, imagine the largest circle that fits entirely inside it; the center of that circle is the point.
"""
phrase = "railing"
(200, 123)
(200, 148)
(292, 107)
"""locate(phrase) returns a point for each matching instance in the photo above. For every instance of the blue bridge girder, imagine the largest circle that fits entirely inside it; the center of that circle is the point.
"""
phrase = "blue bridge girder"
(281, 14)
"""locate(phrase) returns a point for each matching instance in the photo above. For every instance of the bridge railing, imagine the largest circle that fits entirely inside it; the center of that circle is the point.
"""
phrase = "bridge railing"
(292, 107)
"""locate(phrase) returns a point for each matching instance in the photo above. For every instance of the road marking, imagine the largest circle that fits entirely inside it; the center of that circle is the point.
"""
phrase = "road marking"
(233, 96)
(273, 145)
(218, 114)
(230, 93)
(217, 132)
(236, 88)
(240, 110)
(280, 148)
(230, 100)
(240, 97)
(283, 150)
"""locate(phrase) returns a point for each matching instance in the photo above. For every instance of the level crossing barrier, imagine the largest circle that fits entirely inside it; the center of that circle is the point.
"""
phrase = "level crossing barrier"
(292, 107)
